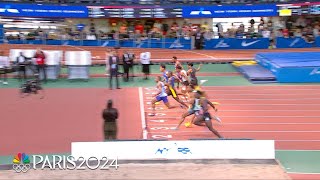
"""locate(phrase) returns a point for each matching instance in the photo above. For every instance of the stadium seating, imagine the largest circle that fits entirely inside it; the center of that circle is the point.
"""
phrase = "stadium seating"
(156, 2)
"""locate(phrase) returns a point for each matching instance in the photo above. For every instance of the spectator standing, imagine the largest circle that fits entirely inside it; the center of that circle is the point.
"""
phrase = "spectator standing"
(145, 61)
(110, 116)
(40, 63)
(127, 59)
(113, 68)
(4, 68)
(198, 39)
(22, 62)
(220, 30)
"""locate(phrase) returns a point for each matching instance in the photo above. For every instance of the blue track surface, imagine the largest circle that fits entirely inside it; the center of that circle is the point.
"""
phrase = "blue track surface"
(293, 66)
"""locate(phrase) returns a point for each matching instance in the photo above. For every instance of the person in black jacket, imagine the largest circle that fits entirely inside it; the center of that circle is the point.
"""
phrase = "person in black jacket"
(110, 116)
(127, 64)
(113, 69)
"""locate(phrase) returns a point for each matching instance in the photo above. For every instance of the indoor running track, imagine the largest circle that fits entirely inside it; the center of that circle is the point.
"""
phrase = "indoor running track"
(287, 114)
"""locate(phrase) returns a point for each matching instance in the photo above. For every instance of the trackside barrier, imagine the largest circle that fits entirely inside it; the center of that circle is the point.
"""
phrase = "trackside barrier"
(196, 149)
(78, 63)
(53, 59)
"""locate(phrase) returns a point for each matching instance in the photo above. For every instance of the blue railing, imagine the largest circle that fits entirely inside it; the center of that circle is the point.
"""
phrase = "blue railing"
(181, 43)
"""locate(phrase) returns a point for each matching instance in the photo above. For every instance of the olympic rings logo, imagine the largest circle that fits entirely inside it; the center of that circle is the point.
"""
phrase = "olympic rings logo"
(21, 168)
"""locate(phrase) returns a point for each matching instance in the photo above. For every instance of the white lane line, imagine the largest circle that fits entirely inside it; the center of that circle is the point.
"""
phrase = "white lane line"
(245, 110)
(143, 118)
(294, 172)
(263, 104)
(269, 86)
(266, 99)
(253, 123)
(206, 131)
(178, 117)
(297, 150)
(199, 53)
(264, 94)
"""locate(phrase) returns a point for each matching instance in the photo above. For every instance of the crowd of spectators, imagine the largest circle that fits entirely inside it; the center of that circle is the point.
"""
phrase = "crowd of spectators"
(155, 2)
(305, 27)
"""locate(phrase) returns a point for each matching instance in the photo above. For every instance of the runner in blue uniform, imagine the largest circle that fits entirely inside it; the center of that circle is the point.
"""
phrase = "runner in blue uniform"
(164, 71)
(161, 95)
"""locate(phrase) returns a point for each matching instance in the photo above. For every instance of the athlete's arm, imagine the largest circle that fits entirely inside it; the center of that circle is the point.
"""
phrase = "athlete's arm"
(210, 103)
(159, 90)
(189, 71)
(184, 75)
(200, 65)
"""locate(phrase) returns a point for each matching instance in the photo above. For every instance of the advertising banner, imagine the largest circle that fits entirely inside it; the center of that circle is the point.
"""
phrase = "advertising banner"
(31, 10)
(230, 11)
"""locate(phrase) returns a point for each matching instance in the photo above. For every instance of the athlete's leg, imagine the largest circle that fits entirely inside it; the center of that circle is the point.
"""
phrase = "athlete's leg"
(183, 117)
(198, 120)
(210, 127)
(153, 105)
(180, 101)
(166, 102)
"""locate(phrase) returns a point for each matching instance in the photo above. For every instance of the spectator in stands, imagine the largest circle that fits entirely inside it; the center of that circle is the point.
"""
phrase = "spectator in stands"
(131, 27)
(301, 22)
(165, 28)
(285, 33)
(158, 26)
(22, 62)
(4, 68)
(40, 63)
(113, 68)
(298, 33)
(174, 26)
(279, 33)
(139, 28)
(205, 26)
(270, 26)
(260, 28)
(123, 29)
(138, 37)
(220, 30)
(316, 30)
(289, 23)
(208, 35)
(110, 116)
(266, 33)
(199, 39)
(240, 31)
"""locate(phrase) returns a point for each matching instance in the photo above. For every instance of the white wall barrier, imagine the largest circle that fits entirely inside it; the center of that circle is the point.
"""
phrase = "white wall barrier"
(78, 58)
(53, 59)
(14, 53)
(78, 63)
(195, 149)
